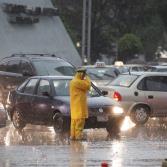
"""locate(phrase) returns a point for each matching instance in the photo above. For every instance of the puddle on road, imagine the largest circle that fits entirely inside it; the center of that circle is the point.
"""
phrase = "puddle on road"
(42, 135)
(136, 146)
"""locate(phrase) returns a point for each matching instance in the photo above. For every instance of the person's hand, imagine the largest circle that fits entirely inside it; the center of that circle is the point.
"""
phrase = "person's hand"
(83, 76)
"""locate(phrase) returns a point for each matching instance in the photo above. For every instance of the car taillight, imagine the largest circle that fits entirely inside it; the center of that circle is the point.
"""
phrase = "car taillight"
(117, 96)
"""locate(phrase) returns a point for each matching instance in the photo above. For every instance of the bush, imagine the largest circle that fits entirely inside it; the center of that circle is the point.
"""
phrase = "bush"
(128, 46)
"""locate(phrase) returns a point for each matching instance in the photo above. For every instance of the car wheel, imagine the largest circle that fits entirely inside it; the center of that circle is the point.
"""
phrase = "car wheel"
(113, 126)
(140, 115)
(60, 123)
(17, 120)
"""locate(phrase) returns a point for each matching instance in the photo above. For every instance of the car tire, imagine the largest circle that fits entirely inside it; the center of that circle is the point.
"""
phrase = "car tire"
(60, 123)
(140, 114)
(17, 120)
(113, 126)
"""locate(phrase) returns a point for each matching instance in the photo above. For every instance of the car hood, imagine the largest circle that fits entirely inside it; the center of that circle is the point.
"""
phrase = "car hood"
(93, 102)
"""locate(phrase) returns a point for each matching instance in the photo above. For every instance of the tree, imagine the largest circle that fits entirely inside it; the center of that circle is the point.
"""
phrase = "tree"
(128, 46)
(112, 19)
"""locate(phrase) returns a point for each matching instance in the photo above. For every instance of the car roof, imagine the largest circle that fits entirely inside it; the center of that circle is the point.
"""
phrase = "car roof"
(32, 56)
(160, 66)
(52, 77)
(94, 66)
(135, 65)
(145, 73)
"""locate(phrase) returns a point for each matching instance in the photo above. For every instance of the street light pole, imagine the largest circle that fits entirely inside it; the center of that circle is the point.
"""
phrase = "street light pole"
(83, 30)
(89, 30)
(86, 30)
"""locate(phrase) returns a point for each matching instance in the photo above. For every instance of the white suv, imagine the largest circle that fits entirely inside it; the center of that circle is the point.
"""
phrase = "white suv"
(142, 95)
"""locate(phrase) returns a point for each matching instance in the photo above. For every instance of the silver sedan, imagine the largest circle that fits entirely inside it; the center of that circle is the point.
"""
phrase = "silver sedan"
(142, 95)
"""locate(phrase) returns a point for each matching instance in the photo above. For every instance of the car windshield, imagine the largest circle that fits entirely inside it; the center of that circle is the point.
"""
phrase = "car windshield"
(122, 69)
(159, 70)
(53, 67)
(124, 80)
(102, 73)
(62, 88)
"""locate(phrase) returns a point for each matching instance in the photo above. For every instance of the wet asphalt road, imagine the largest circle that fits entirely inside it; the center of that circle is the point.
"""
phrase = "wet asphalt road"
(39, 146)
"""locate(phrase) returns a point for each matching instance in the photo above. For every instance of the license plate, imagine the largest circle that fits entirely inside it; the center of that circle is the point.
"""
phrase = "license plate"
(102, 118)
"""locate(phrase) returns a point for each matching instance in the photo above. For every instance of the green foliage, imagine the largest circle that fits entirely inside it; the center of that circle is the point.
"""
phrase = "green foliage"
(129, 45)
(114, 19)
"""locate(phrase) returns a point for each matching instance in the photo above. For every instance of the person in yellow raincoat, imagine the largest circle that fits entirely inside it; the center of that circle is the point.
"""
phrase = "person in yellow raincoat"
(79, 86)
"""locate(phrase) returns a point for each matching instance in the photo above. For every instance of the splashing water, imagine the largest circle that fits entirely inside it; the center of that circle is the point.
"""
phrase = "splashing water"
(127, 124)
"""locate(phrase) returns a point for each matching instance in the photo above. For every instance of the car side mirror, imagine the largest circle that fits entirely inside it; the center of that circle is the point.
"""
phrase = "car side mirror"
(104, 93)
(46, 94)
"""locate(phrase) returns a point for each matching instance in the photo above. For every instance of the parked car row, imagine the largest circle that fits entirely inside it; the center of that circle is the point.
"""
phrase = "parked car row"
(44, 99)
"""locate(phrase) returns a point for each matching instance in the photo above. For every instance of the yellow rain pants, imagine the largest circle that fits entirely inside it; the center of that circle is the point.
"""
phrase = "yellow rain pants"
(77, 126)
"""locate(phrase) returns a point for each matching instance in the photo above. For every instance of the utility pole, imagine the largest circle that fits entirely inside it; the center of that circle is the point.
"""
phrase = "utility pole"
(86, 30)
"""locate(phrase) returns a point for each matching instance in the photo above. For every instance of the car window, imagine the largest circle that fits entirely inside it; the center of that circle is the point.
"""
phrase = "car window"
(62, 88)
(44, 86)
(162, 70)
(13, 66)
(163, 84)
(30, 87)
(124, 80)
(134, 68)
(102, 73)
(53, 67)
(66, 70)
(153, 83)
(21, 87)
(122, 69)
(142, 84)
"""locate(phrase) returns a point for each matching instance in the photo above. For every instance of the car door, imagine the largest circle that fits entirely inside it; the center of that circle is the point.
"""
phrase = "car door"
(42, 102)
(156, 94)
(25, 99)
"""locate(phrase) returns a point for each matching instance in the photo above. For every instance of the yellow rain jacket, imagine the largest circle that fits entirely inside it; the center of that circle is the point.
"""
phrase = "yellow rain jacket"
(78, 96)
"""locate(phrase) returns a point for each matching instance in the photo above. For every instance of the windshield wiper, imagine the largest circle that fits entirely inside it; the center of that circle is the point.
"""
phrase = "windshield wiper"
(109, 75)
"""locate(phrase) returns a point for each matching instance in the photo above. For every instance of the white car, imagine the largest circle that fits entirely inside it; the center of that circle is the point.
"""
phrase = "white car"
(142, 95)
(100, 74)
(159, 68)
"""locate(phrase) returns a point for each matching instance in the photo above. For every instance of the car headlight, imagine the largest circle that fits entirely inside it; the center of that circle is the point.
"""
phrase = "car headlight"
(117, 110)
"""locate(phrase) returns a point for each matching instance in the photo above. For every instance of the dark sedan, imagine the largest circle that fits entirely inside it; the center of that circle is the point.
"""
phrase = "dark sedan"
(44, 100)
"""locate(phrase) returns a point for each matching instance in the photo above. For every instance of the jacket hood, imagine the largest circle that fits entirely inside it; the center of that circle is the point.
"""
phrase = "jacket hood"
(78, 75)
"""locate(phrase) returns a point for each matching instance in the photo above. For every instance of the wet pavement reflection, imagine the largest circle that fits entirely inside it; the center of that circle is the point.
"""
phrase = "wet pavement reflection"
(135, 146)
